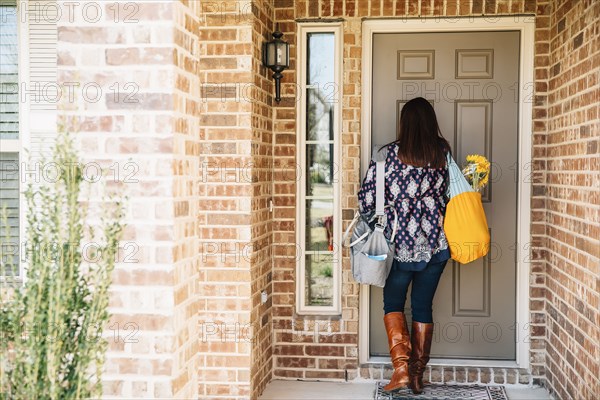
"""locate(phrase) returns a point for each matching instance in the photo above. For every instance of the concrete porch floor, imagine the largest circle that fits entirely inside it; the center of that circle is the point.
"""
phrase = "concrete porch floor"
(363, 390)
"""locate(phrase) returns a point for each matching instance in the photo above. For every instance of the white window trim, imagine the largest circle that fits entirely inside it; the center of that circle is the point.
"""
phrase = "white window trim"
(303, 30)
(21, 144)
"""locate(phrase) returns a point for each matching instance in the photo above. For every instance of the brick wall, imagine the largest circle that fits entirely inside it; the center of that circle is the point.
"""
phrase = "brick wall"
(262, 221)
(298, 352)
(213, 149)
(137, 130)
(537, 176)
(572, 196)
(301, 348)
(185, 124)
(236, 183)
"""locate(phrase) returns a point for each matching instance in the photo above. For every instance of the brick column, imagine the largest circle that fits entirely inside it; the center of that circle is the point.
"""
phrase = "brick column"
(538, 199)
(572, 195)
(235, 190)
(139, 120)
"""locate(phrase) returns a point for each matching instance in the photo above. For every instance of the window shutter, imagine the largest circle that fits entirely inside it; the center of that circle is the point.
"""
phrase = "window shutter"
(9, 73)
(9, 201)
(43, 36)
(42, 54)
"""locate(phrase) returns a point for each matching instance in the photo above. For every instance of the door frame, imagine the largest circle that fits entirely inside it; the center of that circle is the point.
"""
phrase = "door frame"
(525, 24)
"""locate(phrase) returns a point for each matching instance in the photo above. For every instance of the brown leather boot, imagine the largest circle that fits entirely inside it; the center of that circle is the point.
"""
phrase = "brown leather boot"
(421, 345)
(399, 341)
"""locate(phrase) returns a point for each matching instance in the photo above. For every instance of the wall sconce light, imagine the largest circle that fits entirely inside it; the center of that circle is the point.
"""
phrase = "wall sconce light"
(276, 56)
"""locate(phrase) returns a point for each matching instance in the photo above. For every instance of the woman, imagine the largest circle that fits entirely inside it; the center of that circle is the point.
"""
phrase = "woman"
(416, 180)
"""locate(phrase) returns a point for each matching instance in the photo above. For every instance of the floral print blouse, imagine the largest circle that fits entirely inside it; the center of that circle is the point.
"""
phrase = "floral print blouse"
(419, 196)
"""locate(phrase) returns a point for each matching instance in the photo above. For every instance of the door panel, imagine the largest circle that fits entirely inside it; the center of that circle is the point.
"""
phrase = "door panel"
(473, 132)
(472, 81)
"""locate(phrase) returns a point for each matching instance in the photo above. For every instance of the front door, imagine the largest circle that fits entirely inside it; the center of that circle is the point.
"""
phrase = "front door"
(472, 81)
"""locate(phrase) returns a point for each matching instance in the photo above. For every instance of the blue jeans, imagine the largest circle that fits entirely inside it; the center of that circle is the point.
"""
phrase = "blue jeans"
(424, 284)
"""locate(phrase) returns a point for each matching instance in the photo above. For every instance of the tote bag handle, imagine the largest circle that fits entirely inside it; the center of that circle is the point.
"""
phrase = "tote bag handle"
(458, 183)
(379, 208)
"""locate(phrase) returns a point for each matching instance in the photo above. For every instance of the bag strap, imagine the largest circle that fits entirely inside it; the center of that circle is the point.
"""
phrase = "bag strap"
(349, 230)
(379, 203)
(458, 183)
(380, 188)
(380, 157)
(448, 163)
(358, 240)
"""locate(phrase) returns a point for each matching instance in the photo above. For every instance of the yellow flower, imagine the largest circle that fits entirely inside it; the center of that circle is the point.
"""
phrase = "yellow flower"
(481, 161)
(477, 171)
(484, 180)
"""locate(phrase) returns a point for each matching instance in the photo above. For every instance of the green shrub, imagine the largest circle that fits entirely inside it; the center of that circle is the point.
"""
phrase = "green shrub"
(51, 345)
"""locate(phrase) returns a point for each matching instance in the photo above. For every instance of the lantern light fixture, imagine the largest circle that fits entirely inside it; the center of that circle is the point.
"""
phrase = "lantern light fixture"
(276, 56)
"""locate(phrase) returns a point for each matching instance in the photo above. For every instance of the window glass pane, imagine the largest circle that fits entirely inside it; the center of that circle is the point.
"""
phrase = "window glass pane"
(9, 98)
(9, 203)
(319, 115)
(321, 48)
(321, 99)
(319, 224)
(319, 170)
(319, 280)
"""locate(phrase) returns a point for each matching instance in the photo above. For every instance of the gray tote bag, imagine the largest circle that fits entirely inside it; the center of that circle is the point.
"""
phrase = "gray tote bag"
(371, 253)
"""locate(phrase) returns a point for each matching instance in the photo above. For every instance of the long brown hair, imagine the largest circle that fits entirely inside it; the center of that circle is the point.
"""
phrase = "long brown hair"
(420, 141)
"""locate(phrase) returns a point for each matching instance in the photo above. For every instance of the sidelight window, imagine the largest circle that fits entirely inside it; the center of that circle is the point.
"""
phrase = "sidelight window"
(319, 132)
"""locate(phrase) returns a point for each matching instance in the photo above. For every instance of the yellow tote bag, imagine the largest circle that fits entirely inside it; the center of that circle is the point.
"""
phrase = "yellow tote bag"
(465, 224)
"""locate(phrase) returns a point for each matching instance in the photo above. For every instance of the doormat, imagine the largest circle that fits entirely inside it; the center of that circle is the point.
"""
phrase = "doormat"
(444, 392)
